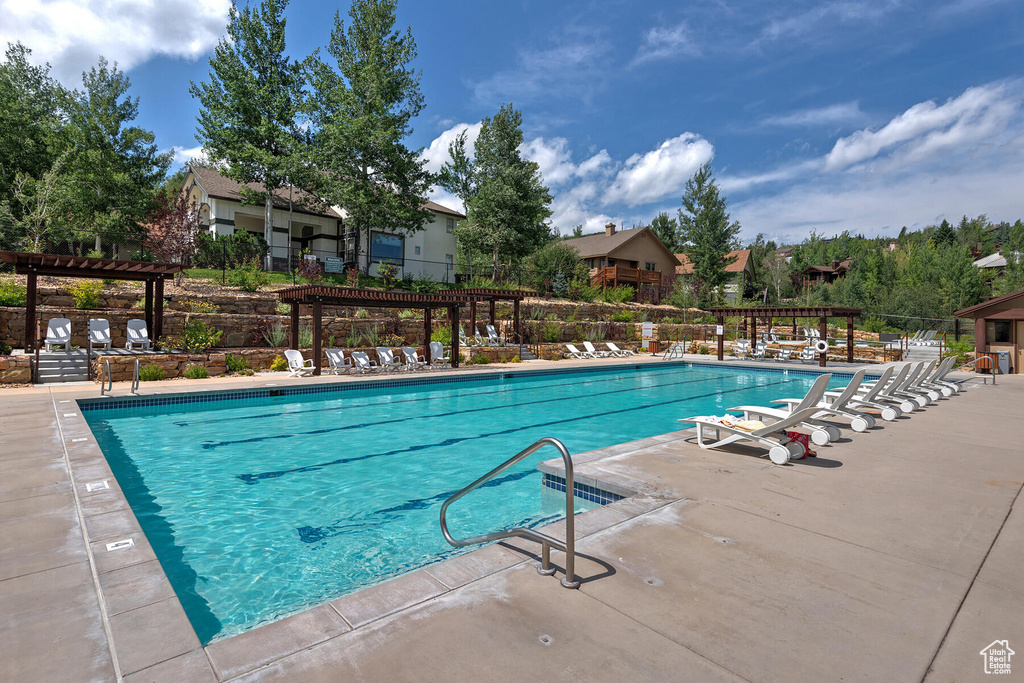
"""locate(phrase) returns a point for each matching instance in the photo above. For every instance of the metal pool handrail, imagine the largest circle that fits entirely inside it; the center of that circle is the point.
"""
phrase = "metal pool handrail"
(547, 542)
(108, 383)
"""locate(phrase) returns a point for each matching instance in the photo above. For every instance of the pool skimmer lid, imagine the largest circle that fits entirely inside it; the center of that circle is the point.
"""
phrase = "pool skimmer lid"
(120, 545)
(97, 486)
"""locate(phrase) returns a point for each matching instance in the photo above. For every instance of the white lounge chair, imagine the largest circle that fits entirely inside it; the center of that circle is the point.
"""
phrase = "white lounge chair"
(576, 353)
(337, 363)
(807, 354)
(361, 362)
(837, 405)
(891, 392)
(386, 359)
(864, 397)
(594, 352)
(297, 367)
(58, 333)
(760, 352)
(616, 351)
(822, 432)
(938, 379)
(925, 340)
(741, 348)
(413, 360)
(99, 333)
(493, 338)
(138, 335)
(438, 359)
(784, 354)
(773, 436)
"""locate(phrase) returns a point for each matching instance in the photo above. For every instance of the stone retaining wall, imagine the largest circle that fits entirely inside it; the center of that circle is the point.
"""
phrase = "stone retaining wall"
(15, 369)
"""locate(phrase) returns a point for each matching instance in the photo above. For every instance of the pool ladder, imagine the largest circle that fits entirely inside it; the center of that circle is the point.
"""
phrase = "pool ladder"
(547, 542)
(107, 383)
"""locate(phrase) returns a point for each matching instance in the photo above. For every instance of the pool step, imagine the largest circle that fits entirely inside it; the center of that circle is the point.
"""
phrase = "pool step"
(58, 367)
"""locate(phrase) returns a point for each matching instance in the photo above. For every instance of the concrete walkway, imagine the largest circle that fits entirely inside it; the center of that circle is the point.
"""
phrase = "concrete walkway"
(895, 555)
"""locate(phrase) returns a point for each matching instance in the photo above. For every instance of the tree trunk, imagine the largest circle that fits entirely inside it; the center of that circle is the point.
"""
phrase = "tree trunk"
(494, 269)
(268, 231)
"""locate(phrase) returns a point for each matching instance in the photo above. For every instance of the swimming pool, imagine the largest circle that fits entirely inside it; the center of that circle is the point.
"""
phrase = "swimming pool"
(262, 503)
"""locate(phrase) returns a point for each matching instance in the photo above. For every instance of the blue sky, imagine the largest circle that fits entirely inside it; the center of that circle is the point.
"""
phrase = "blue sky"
(860, 115)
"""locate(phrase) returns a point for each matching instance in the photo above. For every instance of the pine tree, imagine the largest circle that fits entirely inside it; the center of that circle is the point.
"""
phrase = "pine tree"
(667, 231)
(1012, 278)
(250, 107)
(363, 113)
(706, 233)
(945, 233)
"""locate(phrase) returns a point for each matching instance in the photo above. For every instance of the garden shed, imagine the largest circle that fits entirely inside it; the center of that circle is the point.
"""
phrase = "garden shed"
(999, 326)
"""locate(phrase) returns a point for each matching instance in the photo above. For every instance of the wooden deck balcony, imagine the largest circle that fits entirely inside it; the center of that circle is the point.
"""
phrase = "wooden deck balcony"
(613, 276)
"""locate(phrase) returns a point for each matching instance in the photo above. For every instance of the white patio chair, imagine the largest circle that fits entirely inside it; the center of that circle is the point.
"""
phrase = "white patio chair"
(864, 397)
(784, 355)
(337, 363)
(413, 360)
(741, 348)
(837, 405)
(138, 335)
(99, 333)
(386, 359)
(594, 352)
(361, 362)
(760, 352)
(438, 359)
(58, 333)
(297, 367)
(807, 354)
(821, 432)
(576, 353)
(773, 436)
(493, 338)
(616, 351)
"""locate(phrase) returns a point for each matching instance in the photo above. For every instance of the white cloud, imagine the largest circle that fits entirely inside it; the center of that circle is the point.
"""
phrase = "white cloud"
(664, 42)
(814, 24)
(848, 112)
(595, 164)
(926, 128)
(436, 153)
(554, 158)
(71, 34)
(783, 173)
(659, 173)
(183, 155)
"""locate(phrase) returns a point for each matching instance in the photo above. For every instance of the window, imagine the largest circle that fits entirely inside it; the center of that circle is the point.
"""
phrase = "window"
(417, 251)
(450, 225)
(650, 265)
(307, 230)
(997, 331)
(385, 246)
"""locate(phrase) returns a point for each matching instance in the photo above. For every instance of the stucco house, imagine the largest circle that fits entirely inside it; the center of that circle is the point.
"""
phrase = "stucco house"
(624, 257)
(299, 226)
(739, 266)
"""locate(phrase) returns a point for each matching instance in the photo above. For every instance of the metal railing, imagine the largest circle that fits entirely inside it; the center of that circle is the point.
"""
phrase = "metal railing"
(547, 542)
(107, 381)
(993, 366)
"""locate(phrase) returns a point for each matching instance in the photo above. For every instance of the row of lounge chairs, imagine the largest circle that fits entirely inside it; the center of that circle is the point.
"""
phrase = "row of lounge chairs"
(590, 351)
(58, 333)
(762, 352)
(490, 338)
(922, 338)
(360, 361)
(893, 394)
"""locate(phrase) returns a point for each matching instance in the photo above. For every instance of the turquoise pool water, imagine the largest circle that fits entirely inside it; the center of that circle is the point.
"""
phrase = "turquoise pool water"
(261, 507)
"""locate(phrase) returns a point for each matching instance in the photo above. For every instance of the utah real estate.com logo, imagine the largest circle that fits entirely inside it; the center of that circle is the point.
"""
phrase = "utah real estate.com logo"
(997, 657)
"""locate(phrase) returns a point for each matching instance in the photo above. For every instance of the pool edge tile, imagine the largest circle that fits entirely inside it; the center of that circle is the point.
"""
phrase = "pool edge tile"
(386, 598)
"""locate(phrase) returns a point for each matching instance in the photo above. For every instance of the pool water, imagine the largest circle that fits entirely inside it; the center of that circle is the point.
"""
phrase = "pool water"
(259, 508)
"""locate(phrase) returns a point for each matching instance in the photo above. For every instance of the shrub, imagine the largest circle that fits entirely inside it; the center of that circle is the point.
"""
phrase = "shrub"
(197, 337)
(560, 286)
(617, 295)
(370, 337)
(249, 276)
(704, 350)
(391, 340)
(580, 289)
(279, 364)
(283, 309)
(362, 313)
(481, 359)
(310, 270)
(196, 371)
(406, 315)
(270, 332)
(197, 306)
(236, 363)
(152, 373)
(622, 317)
(5, 349)
(515, 359)
(387, 272)
(12, 294)
(442, 334)
(549, 332)
(305, 336)
(961, 349)
(87, 294)
(353, 338)
(425, 285)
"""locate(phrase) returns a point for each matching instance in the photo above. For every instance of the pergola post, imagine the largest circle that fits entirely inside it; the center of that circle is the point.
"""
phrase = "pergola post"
(427, 334)
(849, 339)
(453, 318)
(30, 313)
(149, 306)
(294, 327)
(823, 334)
(158, 320)
(472, 318)
(492, 312)
(753, 332)
(794, 327)
(515, 321)
(721, 338)
(318, 314)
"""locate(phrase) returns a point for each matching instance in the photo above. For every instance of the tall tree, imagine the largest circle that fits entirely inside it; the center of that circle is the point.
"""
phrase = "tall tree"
(705, 230)
(667, 231)
(457, 174)
(507, 212)
(250, 107)
(961, 281)
(1012, 279)
(363, 113)
(945, 233)
(173, 228)
(114, 167)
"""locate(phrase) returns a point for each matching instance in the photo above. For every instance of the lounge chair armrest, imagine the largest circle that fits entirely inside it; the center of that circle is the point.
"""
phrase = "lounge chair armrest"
(790, 401)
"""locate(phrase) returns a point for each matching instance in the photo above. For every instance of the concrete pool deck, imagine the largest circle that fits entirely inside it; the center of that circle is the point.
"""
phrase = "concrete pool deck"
(896, 554)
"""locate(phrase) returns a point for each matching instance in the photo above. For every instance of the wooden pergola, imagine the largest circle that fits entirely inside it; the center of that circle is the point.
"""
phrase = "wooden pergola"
(492, 296)
(316, 296)
(822, 313)
(34, 265)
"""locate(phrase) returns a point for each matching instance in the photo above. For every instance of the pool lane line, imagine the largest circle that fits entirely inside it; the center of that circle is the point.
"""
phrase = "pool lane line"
(255, 478)
(397, 420)
(505, 389)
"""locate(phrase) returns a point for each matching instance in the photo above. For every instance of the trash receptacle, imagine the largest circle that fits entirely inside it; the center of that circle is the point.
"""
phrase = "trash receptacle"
(1004, 362)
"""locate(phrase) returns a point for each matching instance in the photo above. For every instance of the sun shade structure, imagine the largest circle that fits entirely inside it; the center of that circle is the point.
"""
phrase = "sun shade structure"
(823, 313)
(33, 265)
(316, 296)
(492, 296)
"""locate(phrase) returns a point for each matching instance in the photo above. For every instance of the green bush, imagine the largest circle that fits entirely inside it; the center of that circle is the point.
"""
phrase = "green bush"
(87, 294)
(197, 337)
(197, 306)
(704, 350)
(622, 317)
(275, 335)
(283, 309)
(152, 373)
(550, 332)
(236, 363)
(425, 285)
(279, 364)
(515, 359)
(481, 359)
(305, 337)
(11, 293)
(618, 295)
(961, 349)
(362, 313)
(406, 315)
(249, 276)
(580, 289)
(196, 371)
(5, 349)
(442, 334)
